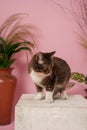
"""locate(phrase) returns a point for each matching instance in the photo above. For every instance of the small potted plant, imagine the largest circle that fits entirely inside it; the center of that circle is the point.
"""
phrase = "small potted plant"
(13, 39)
(79, 78)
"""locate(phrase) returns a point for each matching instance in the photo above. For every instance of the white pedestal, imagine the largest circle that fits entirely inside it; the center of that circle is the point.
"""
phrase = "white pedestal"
(61, 115)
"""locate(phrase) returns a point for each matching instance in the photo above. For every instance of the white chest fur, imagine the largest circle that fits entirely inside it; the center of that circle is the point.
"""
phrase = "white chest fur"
(37, 77)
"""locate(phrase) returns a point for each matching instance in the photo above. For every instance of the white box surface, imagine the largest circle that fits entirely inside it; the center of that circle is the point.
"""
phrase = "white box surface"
(70, 114)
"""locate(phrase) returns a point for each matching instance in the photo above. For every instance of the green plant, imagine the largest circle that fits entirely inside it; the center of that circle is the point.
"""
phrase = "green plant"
(13, 39)
(79, 77)
(8, 50)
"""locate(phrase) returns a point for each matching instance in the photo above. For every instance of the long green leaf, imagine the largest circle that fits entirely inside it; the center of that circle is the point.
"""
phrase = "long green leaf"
(22, 48)
(3, 41)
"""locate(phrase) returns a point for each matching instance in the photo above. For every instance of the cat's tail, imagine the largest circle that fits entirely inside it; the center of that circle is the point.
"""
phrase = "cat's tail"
(70, 85)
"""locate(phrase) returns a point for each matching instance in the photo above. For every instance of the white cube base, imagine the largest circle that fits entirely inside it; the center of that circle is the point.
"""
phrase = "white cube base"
(70, 114)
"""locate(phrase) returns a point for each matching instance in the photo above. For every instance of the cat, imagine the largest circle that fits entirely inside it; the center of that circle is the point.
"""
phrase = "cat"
(51, 73)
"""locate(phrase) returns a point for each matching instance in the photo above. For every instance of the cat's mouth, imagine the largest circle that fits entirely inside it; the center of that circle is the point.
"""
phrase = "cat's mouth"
(46, 73)
(41, 74)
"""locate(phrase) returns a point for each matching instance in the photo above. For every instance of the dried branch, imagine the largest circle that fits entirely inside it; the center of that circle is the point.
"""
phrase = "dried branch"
(13, 30)
(79, 12)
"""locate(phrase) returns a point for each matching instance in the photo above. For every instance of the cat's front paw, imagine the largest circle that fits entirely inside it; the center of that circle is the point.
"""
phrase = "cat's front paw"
(64, 97)
(49, 100)
(38, 96)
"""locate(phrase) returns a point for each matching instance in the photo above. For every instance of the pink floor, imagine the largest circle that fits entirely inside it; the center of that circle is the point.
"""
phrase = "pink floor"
(8, 127)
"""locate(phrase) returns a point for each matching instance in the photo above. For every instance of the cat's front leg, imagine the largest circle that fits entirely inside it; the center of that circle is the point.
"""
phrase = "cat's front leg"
(49, 96)
(39, 94)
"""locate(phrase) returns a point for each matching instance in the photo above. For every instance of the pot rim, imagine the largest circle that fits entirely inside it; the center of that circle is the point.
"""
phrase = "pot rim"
(7, 68)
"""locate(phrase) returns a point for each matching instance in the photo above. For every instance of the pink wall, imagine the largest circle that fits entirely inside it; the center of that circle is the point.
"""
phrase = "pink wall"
(55, 32)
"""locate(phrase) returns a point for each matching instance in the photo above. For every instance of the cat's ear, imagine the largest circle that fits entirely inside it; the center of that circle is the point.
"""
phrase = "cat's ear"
(52, 54)
(39, 58)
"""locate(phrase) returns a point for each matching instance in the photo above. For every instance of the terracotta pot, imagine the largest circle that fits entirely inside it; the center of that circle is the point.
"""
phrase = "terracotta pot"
(7, 89)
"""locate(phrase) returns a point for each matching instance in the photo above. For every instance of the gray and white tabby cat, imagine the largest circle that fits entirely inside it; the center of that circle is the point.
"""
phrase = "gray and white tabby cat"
(51, 73)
